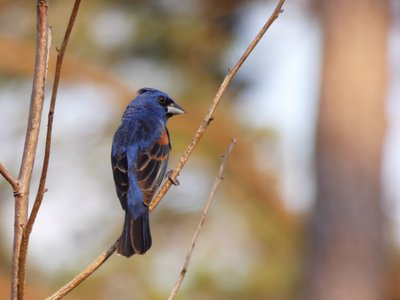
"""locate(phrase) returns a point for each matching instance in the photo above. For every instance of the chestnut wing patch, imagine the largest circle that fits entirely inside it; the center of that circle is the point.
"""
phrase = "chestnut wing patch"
(151, 166)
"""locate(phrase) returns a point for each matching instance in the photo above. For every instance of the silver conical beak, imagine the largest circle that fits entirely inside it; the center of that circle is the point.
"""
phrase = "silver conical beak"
(175, 109)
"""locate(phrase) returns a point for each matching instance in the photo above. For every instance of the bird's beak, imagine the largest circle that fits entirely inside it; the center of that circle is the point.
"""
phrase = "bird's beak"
(174, 109)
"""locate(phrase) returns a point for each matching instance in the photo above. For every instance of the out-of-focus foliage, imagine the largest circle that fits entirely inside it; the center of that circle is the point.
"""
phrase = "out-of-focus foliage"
(246, 249)
(251, 246)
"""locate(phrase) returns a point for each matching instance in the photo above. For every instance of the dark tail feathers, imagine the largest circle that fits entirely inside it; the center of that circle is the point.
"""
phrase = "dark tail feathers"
(135, 237)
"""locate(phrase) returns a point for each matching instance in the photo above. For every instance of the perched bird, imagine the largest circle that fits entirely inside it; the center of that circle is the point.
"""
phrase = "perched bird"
(139, 158)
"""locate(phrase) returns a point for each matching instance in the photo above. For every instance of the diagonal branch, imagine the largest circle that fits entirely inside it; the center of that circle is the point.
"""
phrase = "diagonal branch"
(84, 274)
(43, 177)
(189, 252)
(7, 175)
(31, 139)
(208, 118)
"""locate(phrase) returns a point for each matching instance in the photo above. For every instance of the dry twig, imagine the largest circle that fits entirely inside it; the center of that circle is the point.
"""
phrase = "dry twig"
(84, 274)
(7, 175)
(203, 126)
(31, 139)
(41, 189)
(189, 252)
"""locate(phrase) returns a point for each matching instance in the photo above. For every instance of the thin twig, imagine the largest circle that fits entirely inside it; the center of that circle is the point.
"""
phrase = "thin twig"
(84, 274)
(43, 177)
(209, 117)
(7, 176)
(192, 244)
(31, 139)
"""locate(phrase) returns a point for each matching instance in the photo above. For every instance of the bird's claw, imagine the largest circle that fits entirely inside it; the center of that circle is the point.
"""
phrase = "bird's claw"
(173, 180)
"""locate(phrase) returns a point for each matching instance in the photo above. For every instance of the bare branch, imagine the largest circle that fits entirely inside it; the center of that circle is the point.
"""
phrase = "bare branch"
(43, 177)
(7, 175)
(209, 117)
(84, 274)
(189, 252)
(31, 139)
(98, 262)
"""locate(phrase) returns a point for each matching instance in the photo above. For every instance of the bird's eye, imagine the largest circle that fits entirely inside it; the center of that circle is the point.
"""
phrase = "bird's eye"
(162, 99)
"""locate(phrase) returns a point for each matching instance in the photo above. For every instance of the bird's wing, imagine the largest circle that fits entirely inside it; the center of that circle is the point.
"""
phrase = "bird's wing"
(151, 166)
(119, 164)
(125, 177)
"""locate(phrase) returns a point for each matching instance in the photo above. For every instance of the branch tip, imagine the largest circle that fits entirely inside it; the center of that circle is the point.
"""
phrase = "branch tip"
(224, 85)
(200, 224)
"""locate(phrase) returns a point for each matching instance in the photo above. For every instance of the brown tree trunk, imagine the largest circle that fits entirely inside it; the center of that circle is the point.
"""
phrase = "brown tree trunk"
(346, 228)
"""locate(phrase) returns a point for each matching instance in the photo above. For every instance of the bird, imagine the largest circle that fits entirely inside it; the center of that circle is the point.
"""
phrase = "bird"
(139, 159)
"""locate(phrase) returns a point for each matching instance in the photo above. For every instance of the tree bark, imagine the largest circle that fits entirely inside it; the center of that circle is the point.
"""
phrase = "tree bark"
(345, 261)
(31, 141)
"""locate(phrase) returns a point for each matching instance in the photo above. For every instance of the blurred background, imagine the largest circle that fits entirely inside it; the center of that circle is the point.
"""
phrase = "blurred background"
(310, 204)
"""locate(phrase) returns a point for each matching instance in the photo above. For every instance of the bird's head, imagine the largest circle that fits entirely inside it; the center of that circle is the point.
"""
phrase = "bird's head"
(161, 99)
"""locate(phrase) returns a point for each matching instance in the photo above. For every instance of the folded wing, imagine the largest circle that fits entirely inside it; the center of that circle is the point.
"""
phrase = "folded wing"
(152, 165)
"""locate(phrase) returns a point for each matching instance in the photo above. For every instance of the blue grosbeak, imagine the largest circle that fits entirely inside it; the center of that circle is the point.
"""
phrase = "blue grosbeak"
(139, 158)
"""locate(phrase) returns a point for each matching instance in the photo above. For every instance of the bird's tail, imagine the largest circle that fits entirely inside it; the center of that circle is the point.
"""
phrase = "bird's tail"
(136, 236)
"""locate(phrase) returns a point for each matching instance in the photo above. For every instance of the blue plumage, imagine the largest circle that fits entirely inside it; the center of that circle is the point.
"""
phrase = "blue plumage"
(139, 158)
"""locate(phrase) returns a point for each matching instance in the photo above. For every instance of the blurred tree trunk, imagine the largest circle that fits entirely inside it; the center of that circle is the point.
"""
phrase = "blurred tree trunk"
(345, 261)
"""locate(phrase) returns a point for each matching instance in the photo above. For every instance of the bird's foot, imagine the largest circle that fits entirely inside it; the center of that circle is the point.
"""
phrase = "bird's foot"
(173, 180)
